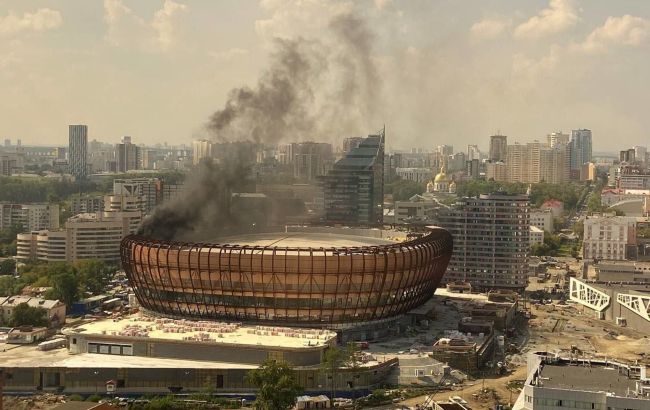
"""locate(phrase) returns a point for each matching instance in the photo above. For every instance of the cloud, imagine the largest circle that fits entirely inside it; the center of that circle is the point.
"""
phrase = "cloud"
(488, 29)
(557, 17)
(228, 55)
(40, 20)
(383, 4)
(298, 17)
(164, 23)
(126, 28)
(616, 31)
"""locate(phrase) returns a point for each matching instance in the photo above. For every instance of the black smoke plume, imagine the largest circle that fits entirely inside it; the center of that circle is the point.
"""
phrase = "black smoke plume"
(314, 89)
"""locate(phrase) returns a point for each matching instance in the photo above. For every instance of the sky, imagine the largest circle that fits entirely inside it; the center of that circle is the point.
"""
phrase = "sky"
(436, 72)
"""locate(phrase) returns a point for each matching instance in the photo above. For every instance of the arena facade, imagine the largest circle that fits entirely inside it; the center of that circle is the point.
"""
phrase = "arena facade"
(330, 278)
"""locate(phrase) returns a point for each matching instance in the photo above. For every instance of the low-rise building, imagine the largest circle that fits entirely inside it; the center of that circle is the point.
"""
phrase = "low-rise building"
(26, 335)
(555, 382)
(414, 174)
(417, 208)
(536, 236)
(464, 351)
(623, 271)
(556, 207)
(625, 304)
(608, 237)
(54, 309)
(542, 218)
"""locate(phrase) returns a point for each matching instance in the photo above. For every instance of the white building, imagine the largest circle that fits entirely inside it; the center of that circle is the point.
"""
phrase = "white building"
(536, 236)
(606, 236)
(554, 382)
(542, 219)
(85, 236)
(54, 309)
(417, 208)
(30, 217)
(414, 174)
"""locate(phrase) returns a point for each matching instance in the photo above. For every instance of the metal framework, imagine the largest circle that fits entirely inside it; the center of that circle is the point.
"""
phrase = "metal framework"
(587, 295)
(639, 304)
(297, 285)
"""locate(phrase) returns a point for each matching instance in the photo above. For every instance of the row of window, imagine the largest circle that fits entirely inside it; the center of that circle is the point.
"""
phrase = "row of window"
(567, 404)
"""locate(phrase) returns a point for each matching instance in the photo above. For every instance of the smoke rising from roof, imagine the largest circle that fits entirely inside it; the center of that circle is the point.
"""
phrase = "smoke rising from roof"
(314, 89)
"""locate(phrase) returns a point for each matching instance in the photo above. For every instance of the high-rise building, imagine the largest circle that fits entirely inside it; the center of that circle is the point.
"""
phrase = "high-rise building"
(536, 162)
(498, 148)
(640, 153)
(311, 160)
(553, 164)
(472, 168)
(11, 164)
(579, 151)
(491, 241)
(350, 143)
(7, 142)
(497, 171)
(473, 152)
(78, 150)
(127, 155)
(445, 150)
(201, 149)
(557, 138)
(627, 155)
(354, 188)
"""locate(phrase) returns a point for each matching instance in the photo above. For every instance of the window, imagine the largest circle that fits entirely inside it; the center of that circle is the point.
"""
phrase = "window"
(74, 340)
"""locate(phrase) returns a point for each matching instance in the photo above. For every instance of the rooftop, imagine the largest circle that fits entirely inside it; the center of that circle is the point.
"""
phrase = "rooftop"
(303, 239)
(142, 326)
(586, 378)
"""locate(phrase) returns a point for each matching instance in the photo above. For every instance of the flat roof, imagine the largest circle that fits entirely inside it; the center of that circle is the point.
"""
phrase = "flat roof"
(29, 356)
(303, 239)
(586, 378)
(140, 326)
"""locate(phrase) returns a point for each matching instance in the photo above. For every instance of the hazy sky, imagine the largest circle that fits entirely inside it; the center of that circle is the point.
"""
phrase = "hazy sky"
(448, 71)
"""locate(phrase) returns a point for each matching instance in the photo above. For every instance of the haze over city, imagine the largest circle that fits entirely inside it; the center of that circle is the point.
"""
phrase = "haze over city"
(443, 71)
(319, 204)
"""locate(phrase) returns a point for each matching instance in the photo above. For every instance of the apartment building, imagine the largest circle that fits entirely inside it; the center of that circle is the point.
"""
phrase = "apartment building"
(85, 236)
(608, 237)
(542, 219)
(491, 241)
(30, 217)
(536, 162)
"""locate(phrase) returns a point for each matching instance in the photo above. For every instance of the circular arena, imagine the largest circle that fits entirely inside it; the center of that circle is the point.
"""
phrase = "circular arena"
(301, 279)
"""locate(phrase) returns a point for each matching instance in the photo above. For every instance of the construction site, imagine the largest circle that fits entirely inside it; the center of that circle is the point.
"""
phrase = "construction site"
(462, 349)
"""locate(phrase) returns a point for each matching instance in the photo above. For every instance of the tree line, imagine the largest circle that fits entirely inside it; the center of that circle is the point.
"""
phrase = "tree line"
(69, 281)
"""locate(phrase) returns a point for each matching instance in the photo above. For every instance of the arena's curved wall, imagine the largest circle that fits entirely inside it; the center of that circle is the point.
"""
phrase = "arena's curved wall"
(300, 286)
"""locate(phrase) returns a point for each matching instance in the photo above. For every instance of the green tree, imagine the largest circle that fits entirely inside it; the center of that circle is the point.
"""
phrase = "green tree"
(23, 314)
(333, 359)
(7, 267)
(277, 385)
(93, 275)
(8, 286)
(352, 355)
(65, 287)
(403, 189)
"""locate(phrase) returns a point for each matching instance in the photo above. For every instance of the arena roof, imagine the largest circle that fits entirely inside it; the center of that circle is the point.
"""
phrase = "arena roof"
(303, 239)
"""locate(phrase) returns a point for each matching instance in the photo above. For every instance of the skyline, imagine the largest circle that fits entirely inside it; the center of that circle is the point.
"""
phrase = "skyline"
(157, 70)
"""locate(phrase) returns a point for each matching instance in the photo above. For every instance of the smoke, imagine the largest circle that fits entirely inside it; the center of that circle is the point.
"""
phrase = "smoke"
(314, 89)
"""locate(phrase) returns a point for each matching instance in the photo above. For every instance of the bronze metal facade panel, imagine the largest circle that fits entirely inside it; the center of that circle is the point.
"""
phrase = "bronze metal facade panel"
(299, 286)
